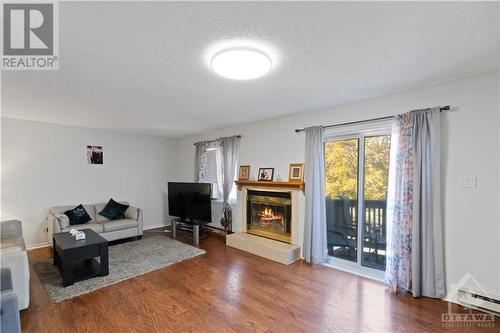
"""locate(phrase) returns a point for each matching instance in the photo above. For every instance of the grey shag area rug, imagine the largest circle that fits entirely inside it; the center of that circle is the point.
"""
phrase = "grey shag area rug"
(126, 260)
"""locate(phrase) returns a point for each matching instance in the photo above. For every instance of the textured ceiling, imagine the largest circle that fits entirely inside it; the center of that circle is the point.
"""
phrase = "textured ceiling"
(141, 67)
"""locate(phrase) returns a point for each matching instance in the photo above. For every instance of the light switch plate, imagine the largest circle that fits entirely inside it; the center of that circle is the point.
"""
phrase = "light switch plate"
(468, 181)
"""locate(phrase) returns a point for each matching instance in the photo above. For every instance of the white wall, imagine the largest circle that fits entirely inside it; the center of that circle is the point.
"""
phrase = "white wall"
(45, 165)
(471, 147)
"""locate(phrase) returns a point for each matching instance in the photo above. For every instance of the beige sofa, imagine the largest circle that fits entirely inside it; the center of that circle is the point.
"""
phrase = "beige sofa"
(129, 226)
(14, 256)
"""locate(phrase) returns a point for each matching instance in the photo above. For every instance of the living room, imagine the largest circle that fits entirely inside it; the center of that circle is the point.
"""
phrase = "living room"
(251, 166)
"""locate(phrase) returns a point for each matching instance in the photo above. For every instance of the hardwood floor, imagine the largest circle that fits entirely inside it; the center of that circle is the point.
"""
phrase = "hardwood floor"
(227, 290)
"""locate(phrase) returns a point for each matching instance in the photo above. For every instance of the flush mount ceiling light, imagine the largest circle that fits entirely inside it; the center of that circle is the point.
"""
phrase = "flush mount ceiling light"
(241, 63)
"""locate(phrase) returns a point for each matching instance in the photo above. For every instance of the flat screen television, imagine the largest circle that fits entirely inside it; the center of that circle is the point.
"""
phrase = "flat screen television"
(190, 201)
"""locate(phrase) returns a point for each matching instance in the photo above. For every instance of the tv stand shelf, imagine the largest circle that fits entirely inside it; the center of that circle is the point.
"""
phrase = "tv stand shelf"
(194, 228)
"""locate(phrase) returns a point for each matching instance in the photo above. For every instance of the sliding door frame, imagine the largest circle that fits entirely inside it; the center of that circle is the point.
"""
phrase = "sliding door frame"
(359, 132)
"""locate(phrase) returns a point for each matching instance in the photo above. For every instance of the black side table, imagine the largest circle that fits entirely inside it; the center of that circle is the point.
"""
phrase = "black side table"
(76, 258)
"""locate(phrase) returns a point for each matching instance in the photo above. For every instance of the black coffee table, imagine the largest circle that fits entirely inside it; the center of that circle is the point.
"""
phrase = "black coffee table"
(76, 258)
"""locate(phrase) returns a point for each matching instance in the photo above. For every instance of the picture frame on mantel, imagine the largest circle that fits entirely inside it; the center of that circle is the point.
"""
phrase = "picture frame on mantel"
(296, 173)
(266, 175)
(244, 172)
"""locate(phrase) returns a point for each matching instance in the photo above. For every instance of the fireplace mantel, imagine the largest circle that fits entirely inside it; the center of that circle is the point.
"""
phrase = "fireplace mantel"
(296, 185)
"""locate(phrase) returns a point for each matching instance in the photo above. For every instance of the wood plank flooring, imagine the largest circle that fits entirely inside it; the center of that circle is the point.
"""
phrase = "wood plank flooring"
(227, 290)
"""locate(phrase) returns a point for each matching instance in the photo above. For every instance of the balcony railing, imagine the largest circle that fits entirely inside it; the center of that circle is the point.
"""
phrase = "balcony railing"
(342, 226)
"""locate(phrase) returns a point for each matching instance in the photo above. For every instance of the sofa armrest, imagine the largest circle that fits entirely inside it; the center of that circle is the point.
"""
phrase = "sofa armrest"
(135, 213)
(56, 226)
(10, 320)
(18, 265)
(9, 229)
(52, 226)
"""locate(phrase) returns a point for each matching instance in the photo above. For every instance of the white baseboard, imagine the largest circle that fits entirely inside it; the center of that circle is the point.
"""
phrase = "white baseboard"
(156, 226)
(37, 246)
(45, 244)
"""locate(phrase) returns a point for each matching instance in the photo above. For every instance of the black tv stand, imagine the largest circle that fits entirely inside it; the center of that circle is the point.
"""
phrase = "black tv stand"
(189, 227)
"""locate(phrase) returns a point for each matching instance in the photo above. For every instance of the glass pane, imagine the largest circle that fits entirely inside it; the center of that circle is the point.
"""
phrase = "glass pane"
(377, 149)
(341, 174)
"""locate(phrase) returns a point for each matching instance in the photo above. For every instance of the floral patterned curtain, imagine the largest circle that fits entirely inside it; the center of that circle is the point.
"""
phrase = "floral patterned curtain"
(414, 227)
(400, 205)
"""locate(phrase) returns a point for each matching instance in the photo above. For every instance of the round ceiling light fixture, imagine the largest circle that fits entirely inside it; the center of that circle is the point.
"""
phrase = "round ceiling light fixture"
(241, 63)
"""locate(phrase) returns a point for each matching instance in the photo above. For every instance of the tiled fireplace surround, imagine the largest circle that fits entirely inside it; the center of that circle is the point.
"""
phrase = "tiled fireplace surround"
(281, 251)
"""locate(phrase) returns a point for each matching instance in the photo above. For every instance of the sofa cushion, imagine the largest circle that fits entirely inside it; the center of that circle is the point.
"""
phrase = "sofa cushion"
(97, 227)
(113, 210)
(12, 245)
(11, 228)
(100, 206)
(63, 220)
(88, 208)
(131, 213)
(78, 215)
(119, 225)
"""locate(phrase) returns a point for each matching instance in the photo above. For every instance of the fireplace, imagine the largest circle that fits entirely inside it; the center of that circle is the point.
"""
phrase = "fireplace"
(269, 214)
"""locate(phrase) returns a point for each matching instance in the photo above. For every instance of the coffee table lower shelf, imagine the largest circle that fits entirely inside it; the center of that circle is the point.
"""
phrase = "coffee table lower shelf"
(86, 269)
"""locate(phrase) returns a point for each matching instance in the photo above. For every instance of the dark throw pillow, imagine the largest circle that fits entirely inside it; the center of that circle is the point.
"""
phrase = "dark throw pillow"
(77, 215)
(114, 210)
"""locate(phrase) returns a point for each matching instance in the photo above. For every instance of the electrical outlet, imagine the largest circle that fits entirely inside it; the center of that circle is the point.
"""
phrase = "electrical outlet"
(468, 181)
(46, 229)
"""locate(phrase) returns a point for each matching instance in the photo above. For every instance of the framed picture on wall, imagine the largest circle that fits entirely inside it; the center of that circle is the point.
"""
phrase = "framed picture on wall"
(94, 155)
(244, 172)
(296, 172)
(266, 174)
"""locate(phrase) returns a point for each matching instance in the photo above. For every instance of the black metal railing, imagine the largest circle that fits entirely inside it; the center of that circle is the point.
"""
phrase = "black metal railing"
(342, 225)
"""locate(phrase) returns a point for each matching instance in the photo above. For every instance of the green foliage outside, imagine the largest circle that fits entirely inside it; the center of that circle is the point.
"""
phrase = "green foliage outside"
(341, 172)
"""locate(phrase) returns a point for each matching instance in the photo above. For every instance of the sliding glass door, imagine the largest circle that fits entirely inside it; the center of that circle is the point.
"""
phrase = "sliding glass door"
(356, 175)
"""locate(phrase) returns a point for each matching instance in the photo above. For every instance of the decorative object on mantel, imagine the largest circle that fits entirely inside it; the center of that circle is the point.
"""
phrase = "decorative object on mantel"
(266, 174)
(244, 172)
(296, 172)
(241, 183)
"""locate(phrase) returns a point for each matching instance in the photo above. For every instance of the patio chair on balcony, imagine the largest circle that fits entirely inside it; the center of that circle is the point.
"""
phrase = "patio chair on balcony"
(341, 229)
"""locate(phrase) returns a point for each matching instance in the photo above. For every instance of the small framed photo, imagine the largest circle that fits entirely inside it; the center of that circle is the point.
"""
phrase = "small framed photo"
(244, 172)
(296, 172)
(266, 174)
(94, 155)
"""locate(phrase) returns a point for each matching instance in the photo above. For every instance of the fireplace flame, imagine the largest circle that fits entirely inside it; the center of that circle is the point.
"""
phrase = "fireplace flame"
(268, 217)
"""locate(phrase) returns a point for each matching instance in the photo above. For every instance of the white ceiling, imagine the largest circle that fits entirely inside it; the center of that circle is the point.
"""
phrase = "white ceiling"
(141, 67)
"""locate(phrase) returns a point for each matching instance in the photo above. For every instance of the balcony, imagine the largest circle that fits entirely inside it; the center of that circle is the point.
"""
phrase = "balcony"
(342, 230)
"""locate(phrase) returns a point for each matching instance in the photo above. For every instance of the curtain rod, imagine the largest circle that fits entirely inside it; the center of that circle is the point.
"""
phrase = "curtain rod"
(444, 108)
(208, 141)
